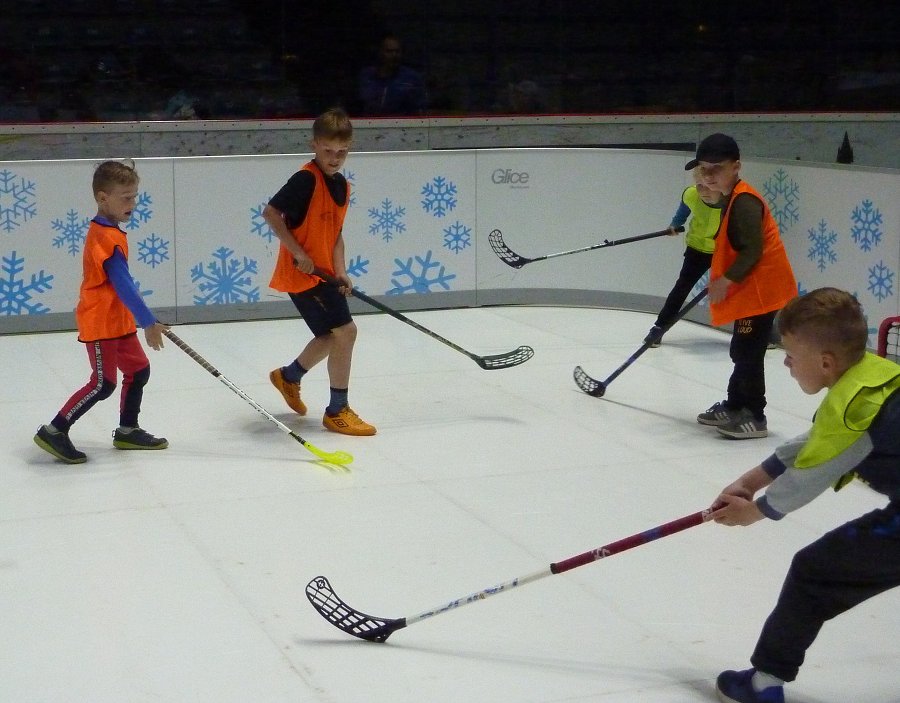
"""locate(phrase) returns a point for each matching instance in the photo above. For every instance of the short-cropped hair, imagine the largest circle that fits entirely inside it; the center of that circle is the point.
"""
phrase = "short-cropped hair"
(111, 173)
(830, 319)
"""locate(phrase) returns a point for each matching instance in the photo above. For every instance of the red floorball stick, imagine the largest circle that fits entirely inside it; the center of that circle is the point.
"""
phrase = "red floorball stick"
(375, 629)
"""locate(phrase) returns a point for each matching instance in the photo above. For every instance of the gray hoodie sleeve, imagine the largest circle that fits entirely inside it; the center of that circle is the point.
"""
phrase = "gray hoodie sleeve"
(793, 488)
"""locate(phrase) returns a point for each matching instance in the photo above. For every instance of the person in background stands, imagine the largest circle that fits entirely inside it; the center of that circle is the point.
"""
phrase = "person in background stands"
(389, 87)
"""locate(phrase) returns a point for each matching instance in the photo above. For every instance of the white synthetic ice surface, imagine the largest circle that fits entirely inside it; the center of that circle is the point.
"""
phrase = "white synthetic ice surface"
(179, 575)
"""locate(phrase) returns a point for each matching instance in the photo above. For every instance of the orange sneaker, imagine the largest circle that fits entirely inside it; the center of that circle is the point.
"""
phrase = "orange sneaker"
(289, 391)
(348, 422)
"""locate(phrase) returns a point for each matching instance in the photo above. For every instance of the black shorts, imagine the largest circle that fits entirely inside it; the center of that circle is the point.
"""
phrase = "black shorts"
(323, 307)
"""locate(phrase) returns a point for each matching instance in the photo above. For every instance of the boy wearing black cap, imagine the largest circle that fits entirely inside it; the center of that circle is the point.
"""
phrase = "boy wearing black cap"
(750, 281)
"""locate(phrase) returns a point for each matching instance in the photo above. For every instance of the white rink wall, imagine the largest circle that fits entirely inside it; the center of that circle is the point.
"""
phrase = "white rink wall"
(417, 230)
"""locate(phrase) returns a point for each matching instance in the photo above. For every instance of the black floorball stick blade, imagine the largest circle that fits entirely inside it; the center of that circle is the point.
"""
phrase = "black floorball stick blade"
(504, 253)
(589, 385)
(505, 361)
(495, 361)
(509, 257)
(347, 619)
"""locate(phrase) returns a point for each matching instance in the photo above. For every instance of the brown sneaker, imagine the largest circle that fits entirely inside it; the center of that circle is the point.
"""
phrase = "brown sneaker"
(347, 422)
(289, 391)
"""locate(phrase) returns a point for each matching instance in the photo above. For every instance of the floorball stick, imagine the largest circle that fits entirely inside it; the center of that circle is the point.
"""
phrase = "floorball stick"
(596, 388)
(489, 362)
(508, 256)
(374, 629)
(339, 458)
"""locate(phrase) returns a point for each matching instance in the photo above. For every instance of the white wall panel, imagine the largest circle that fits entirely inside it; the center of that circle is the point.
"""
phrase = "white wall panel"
(418, 224)
(550, 200)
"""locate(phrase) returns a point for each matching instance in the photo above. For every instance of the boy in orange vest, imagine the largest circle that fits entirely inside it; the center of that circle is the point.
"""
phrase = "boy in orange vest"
(750, 280)
(108, 305)
(307, 216)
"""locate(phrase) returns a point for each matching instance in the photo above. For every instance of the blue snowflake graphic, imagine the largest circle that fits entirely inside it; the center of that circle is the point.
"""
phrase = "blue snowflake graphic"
(881, 281)
(73, 231)
(225, 279)
(782, 194)
(386, 220)
(153, 250)
(420, 280)
(351, 179)
(866, 221)
(822, 250)
(801, 289)
(439, 196)
(16, 296)
(17, 202)
(258, 224)
(457, 237)
(141, 213)
(358, 266)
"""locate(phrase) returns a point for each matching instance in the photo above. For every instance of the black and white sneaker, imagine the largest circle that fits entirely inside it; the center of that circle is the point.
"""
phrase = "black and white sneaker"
(136, 438)
(59, 445)
(716, 415)
(744, 426)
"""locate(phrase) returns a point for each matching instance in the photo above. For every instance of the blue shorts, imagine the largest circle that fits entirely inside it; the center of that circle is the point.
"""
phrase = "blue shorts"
(323, 307)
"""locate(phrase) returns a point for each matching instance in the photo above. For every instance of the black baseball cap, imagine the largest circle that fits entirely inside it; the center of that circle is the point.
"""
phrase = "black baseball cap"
(714, 149)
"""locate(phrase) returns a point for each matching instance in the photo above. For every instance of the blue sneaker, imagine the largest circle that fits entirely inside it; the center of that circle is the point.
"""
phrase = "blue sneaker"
(737, 687)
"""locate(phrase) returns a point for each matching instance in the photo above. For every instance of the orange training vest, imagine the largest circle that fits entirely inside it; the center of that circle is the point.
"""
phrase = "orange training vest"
(101, 314)
(317, 234)
(770, 283)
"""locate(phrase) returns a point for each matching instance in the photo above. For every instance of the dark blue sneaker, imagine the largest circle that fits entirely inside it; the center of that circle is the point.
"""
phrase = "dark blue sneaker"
(59, 445)
(737, 687)
(654, 337)
(136, 438)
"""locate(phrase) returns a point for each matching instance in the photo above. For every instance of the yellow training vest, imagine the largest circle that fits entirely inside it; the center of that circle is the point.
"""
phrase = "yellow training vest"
(848, 409)
(704, 223)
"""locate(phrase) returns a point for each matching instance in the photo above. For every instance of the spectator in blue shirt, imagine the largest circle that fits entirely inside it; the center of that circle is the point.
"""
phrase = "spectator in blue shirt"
(389, 87)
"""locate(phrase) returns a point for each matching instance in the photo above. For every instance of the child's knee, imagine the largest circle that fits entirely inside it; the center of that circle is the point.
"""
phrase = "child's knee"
(345, 334)
(107, 388)
(142, 376)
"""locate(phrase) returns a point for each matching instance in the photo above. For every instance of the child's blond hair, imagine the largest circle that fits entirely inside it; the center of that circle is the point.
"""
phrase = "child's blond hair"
(333, 124)
(831, 320)
(111, 173)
